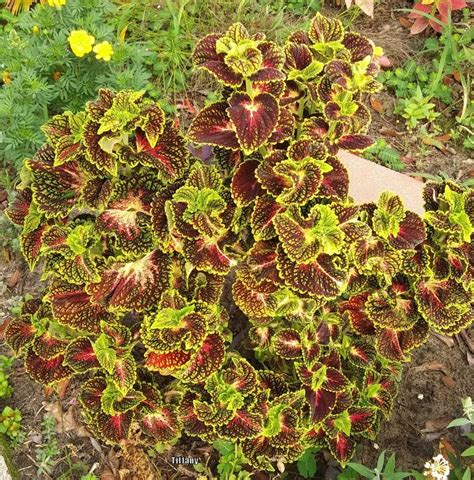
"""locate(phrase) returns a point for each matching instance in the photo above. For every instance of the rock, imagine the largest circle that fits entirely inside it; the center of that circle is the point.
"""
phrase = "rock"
(8, 470)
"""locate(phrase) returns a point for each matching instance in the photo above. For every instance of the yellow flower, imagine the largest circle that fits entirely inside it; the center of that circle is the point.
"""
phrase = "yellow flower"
(103, 51)
(6, 77)
(56, 3)
(378, 51)
(81, 42)
(35, 29)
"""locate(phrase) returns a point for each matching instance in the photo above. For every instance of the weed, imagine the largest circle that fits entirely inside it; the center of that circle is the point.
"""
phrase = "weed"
(382, 152)
(48, 452)
(10, 419)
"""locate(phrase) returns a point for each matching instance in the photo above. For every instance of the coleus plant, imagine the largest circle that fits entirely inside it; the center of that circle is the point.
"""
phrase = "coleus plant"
(155, 259)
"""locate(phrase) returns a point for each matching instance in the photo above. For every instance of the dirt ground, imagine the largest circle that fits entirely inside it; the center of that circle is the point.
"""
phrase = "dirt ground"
(433, 384)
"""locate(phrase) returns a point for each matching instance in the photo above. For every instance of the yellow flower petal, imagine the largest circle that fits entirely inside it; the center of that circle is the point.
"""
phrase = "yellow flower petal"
(103, 51)
(81, 42)
(378, 51)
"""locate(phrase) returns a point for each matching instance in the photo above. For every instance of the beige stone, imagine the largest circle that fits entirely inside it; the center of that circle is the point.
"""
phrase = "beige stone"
(368, 180)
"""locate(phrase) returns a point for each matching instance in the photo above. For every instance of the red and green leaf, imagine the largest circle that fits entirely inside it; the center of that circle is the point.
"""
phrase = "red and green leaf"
(134, 285)
(254, 119)
(46, 372)
(207, 360)
(212, 126)
(162, 424)
(72, 306)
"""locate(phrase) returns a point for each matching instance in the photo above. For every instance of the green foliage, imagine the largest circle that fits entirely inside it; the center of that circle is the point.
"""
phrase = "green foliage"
(138, 237)
(382, 152)
(468, 419)
(10, 422)
(5, 366)
(47, 453)
(385, 469)
(445, 77)
(44, 72)
(231, 461)
(307, 465)
(304, 7)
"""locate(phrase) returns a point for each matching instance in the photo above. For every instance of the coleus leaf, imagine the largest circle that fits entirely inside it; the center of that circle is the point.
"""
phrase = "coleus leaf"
(361, 354)
(240, 375)
(126, 216)
(72, 307)
(64, 134)
(244, 424)
(152, 123)
(30, 244)
(56, 189)
(206, 360)
(18, 334)
(388, 345)
(205, 56)
(265, 210)
(287, 344)
(391, 311)
(134, 285)
(80, 355)
(298, 56)
(284, 128)
(324, 30)
(253, 303)
(245, 186)
(207, 256)
(166, 362)
(321, 402)
(114, 428)
(388, 216)
(272, 63)
(162, 424)
(48, 346)
(212, 126)
(169, 156)
(105, 353)
(254, 119)
(303, 239)
(325, 275)
(18, 209)
(359, 46)
(44, 371)
(122, 114)
(104, 159)
(203, 209)
(97, 192)
(125, 372)
(335, 183)
(411, 232)
(361, 418)
(90, 394)
(206, 287)
(441, 302)
(414, 337)
(191, 423)
(97, 108)
(301, 180)
(342, 447)
(258, 269)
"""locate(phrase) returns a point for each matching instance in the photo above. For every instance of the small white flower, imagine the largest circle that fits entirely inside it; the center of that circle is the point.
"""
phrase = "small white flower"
(438, 468)
(420, 396)
(376, 446)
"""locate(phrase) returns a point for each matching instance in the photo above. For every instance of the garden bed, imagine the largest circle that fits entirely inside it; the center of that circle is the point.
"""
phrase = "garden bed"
(433, 383)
